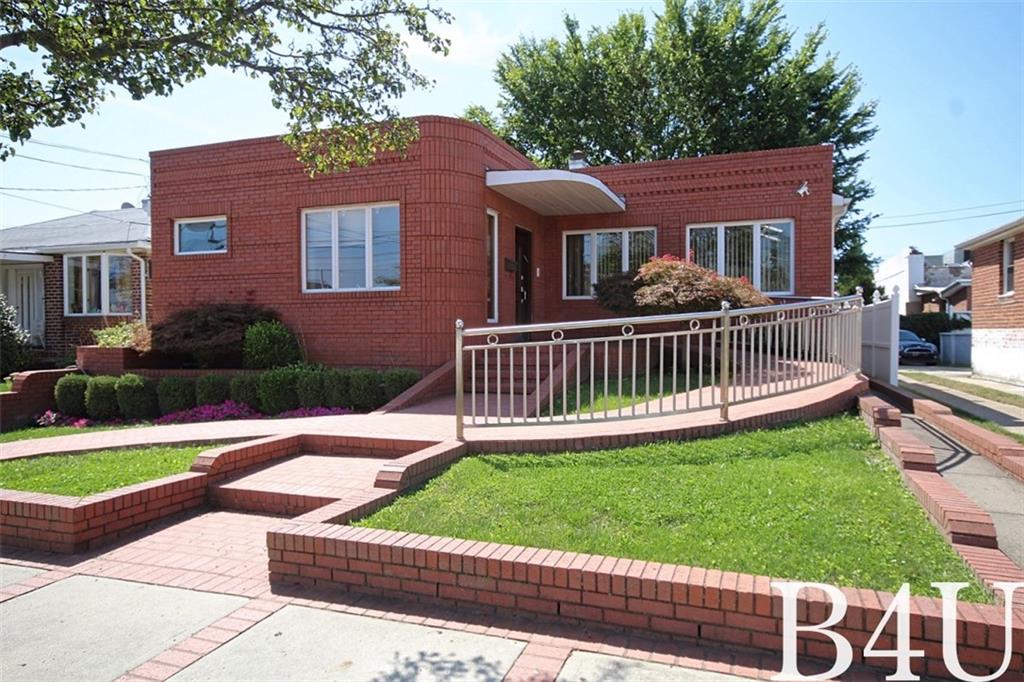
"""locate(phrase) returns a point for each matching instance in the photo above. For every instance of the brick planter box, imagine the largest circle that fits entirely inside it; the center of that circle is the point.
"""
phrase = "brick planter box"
(62, 524)
(101, 360)
(31, 394)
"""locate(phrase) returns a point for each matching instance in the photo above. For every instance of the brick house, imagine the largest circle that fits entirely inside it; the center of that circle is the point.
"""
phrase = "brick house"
(69, 276)
(373, 266)
(997, 334)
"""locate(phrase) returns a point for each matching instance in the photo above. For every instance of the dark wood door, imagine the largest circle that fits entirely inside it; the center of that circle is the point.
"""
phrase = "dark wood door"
(524, 276)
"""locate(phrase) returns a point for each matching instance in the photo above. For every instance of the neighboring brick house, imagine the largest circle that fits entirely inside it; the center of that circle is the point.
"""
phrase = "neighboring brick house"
(997, 334)
(69, 276)
(373, 266)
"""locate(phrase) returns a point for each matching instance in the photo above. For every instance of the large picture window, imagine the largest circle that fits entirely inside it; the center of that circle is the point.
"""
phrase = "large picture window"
(201, 235)
(98, 284)
(593, 255)
(351, 248)
(761, 252)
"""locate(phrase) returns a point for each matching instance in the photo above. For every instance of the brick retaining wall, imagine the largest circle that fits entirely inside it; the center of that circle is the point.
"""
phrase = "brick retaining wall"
(31, 394)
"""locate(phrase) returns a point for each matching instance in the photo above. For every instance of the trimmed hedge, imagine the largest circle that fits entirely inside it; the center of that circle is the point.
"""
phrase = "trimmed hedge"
(101, 398)
(245, 389)
(270, 344)
(396, 381)
(69, 394)
(309, 387)
(277, 390)
(365, 392)
(176, 394)
(136, 397)
(212, 389)
(336, 387)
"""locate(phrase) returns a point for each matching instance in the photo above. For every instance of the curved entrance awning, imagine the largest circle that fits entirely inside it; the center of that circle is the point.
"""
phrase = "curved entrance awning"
(556, 192)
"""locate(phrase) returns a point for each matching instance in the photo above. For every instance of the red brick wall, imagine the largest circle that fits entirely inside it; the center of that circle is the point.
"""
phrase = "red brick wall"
(63, 333)
(990, 310)
(440, 186)
(31, 394)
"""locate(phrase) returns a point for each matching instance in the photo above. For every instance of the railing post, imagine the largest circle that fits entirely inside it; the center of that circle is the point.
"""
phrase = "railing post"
(460, 408)
(724, 362)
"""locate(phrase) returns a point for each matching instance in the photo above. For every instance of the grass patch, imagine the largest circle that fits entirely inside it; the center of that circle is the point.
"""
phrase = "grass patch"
(965, 387)
(95, 472)
(5, 386)
(612, 401)
(989, 424)
(816, 501)
(31, 432)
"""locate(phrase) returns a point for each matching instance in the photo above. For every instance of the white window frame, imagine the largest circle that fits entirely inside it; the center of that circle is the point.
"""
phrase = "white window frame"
(494, 274)
(335, 248)
(1005, 263)
(178, 222)
(625, 231)
(104, 285)
(756, 224)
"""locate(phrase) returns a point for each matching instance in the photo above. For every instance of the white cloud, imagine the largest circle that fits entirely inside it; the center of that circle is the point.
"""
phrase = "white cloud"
(474, 42)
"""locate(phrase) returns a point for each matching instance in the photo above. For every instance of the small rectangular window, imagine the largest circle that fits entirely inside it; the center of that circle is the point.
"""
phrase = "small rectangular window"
(351, 248)
(1008, 269)
(201, 235)
(492, 266)
(592, 256)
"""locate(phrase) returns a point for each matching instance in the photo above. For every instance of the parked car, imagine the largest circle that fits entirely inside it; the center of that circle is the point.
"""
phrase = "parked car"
(915, 349)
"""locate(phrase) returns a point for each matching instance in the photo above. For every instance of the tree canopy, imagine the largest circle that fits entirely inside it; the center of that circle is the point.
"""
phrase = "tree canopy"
(335, 67)
(708, 77)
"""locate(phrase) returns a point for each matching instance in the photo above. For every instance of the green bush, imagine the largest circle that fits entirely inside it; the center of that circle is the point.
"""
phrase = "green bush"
(277, 390)
(929, 325)
(136, 396)
(336, 388)
(365, 391)
(14, 341)
(175, 394)
(119, 335)
(270, 344)
(245, 389)
(212, 389)
(69, 394)
(395, 381)
(101, 398)
(309, 387)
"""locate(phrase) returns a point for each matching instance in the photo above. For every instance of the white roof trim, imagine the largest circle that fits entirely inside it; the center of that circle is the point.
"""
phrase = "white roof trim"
(94, 248)
(1001, 232)
(840, 205)
(18, 257)
(556, 192)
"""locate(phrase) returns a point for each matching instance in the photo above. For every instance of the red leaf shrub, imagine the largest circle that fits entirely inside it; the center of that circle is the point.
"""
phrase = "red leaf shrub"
(669, 284)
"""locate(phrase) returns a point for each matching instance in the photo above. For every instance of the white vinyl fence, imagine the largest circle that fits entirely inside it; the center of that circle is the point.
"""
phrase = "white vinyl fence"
(880, 334)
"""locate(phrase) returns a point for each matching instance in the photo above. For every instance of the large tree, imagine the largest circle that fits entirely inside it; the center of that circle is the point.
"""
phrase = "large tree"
(708, 77)
(335, 66)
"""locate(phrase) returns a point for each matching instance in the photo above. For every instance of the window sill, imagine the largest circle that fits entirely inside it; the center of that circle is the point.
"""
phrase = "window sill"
(579, 298)
(98, 314)
(375, 290)
(201, 253)
(1006, 297)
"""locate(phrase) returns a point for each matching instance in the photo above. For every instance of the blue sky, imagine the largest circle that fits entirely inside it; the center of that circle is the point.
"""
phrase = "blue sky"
(948, 77)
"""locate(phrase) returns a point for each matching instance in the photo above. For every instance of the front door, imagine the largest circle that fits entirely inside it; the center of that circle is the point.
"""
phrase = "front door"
(24, 289)
(524, 276)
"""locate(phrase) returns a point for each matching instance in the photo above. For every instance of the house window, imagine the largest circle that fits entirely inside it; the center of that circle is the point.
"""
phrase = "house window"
(98, 284)
(351, 248)
(201, 235)
(593, 255)
(492, 266)
(1007, 269)
(761, 252)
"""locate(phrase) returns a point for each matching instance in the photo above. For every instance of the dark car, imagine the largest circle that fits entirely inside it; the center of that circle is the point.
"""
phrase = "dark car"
(915, 349)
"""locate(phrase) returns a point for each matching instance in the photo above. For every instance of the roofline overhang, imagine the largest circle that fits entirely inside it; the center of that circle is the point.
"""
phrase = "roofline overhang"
(86, 248)
(19, 257)
(840, 205)
(995, 235)
(583, 188)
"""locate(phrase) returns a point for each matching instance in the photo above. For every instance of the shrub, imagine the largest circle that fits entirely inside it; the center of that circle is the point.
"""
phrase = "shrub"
(175, 394)
(14, 341)
(365, 392)
(212, 389)
(270, 344)
(669, 284)
(210, 334)
(122, 335)
(929, 325)
(101, 398)
(69, 394)
(244, 390)
(336, 388)
(395, 381)
(309, 387)
(136, 396)
(277, 390)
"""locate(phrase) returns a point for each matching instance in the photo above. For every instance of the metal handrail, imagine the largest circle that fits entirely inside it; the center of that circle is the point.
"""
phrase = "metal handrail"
(701, 360)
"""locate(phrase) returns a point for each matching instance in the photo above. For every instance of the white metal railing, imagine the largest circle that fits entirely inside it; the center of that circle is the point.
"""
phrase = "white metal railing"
(654, 365)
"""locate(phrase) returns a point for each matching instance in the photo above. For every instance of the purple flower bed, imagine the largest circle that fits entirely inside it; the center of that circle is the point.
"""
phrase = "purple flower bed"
(202, 413)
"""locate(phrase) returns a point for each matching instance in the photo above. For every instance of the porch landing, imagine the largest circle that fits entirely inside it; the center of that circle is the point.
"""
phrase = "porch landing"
(435, 420)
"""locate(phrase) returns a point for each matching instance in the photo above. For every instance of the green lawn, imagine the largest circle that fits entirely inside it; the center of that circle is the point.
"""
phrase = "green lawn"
(612, 401)
(5, 385)
(31, 432)
(989, 424)
(94, 472)
(816, 501)
(965, 387)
